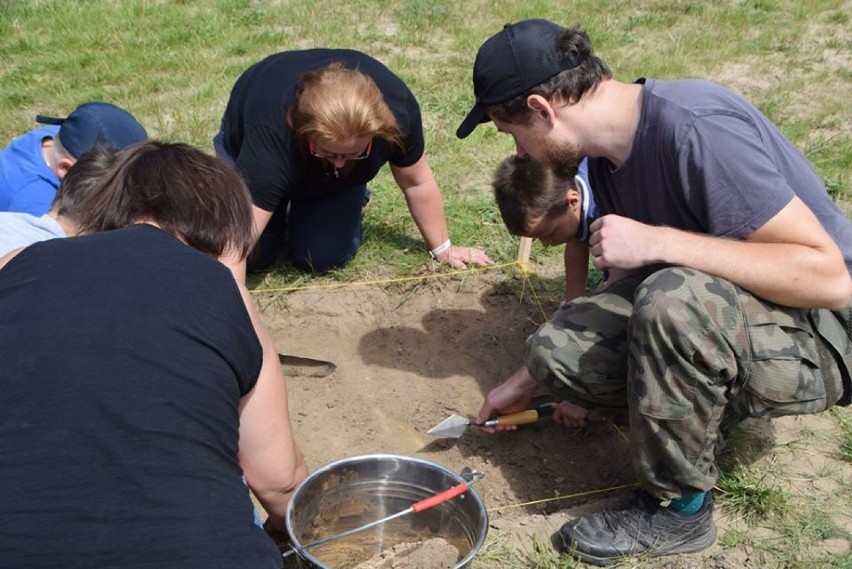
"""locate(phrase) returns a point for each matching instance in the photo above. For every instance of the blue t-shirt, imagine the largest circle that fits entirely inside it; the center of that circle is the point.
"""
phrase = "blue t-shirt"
(27, 183)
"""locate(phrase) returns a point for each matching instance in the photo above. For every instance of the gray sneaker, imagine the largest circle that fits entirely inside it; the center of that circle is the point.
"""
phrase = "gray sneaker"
(640, 527)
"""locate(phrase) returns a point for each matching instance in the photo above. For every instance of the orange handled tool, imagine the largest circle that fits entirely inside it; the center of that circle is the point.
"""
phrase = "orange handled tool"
(439, 498)
(454, 426)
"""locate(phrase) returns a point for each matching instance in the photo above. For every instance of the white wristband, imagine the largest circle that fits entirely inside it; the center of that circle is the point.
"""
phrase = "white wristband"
(440, 248)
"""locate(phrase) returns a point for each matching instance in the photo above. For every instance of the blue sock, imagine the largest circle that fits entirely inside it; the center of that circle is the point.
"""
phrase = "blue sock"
(688, 503)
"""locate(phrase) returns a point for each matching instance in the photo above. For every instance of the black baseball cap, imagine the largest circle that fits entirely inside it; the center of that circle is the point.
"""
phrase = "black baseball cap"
(513, 61)
(93, 123)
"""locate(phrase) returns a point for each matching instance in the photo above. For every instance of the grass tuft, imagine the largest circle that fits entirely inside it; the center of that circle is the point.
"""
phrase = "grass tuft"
(843, 419)
(500, 551)
(752, 495)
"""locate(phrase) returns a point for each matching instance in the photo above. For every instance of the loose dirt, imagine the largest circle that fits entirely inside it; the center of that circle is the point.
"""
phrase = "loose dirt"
(434, 553)
(408, 356)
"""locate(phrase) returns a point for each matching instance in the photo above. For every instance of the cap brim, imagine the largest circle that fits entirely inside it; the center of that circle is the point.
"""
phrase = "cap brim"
(48, 120)
(476, 116)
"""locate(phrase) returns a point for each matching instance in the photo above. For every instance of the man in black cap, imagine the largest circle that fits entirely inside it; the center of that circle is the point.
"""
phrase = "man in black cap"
(736, 301)
(33, 164)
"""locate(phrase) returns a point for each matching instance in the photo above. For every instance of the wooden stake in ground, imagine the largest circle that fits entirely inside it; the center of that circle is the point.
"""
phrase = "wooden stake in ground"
(524, 252)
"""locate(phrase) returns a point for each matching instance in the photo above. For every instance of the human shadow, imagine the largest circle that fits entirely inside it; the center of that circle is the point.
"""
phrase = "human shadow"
(469, 338)
(485, 343)
(547, 466)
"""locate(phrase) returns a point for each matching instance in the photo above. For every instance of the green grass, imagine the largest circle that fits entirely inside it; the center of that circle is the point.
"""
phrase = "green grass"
(845, 443)
(173, 64)
(500, 551)
(769, 487)
(752, 495)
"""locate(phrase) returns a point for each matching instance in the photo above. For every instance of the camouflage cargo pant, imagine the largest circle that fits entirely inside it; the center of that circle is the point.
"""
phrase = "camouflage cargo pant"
(684, 356)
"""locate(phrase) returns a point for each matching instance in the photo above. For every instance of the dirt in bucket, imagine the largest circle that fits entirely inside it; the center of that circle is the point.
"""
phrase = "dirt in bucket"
(408, 548)
(433, 553)
(435, 538)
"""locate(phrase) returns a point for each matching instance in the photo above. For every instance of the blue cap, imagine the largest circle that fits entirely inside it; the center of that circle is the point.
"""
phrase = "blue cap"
(93, 123)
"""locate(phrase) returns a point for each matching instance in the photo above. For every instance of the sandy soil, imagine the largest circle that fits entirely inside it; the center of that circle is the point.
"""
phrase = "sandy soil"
(433, 553)
(410, 355)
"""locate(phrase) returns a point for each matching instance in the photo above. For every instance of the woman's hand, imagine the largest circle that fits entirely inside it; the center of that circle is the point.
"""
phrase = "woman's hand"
(460, 257)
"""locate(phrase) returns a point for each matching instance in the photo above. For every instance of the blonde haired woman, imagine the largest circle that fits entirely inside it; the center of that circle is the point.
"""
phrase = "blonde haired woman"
(308, 130)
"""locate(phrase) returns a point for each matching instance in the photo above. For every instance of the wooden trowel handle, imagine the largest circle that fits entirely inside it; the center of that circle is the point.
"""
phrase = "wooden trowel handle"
(522, 418)
(528, 416)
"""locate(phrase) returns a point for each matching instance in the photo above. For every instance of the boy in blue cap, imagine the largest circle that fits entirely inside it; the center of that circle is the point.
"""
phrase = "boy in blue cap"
(33, 164)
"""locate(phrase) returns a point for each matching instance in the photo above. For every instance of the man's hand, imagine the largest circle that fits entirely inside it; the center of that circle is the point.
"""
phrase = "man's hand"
(621, 242)
(772, 262)
(573, 416)
(511, 396)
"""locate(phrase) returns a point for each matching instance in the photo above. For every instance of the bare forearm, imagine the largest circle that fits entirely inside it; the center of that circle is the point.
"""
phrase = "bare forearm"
(271, 460)
(576, 258)
(427, 211)
(790, 260)
(783, 273)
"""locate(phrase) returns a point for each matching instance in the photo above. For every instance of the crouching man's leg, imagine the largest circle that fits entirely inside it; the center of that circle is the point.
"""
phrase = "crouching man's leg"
(580, 353)
(703, 354)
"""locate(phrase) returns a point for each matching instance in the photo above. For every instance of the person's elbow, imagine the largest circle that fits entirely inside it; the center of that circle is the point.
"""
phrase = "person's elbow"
(826, 279)
(278, 479)
(829, 285)
(839, 293)
(838, 287)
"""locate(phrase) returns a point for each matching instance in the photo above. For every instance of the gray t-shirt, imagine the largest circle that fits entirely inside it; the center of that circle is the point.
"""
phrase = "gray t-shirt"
(19, 229)
(706, 160)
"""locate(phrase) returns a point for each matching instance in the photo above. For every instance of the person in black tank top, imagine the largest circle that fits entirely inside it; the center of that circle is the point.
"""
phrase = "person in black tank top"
(140, 389)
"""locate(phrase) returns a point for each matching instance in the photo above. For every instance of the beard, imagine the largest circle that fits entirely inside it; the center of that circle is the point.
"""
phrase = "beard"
(563, 159)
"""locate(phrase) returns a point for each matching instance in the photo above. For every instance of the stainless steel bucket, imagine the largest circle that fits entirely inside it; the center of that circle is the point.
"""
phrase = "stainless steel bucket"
(355, 491)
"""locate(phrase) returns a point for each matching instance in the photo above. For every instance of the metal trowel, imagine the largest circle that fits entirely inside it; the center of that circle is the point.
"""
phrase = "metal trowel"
(304, 366)
(454, 426)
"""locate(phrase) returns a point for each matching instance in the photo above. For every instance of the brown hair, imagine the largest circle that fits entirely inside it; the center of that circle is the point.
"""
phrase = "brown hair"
(336, 102)
(526, 190)
(192, 195)
(567, 87)
(83, 178)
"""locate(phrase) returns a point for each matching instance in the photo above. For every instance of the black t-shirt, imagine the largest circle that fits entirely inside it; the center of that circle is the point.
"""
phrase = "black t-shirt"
(264, 147)
(124, 357)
